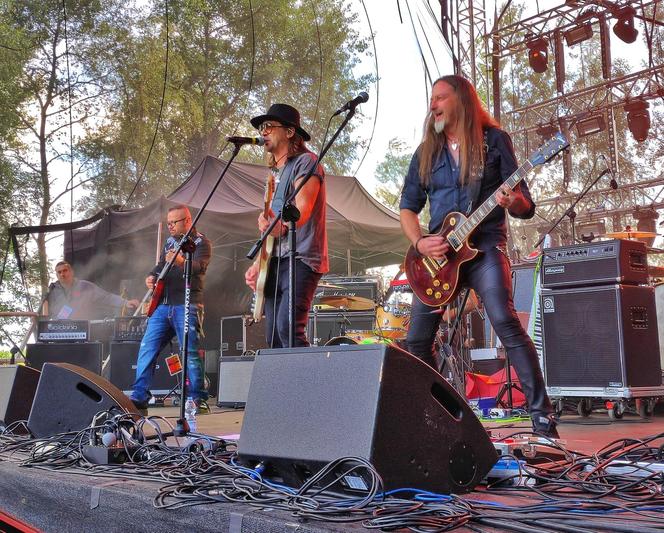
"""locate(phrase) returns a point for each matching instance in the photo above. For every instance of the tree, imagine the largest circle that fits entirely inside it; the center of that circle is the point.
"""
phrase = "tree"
(226, 63)
(53, 92)
(391, 172)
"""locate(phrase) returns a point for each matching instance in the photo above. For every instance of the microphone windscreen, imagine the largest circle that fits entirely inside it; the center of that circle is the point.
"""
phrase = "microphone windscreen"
(109, 439)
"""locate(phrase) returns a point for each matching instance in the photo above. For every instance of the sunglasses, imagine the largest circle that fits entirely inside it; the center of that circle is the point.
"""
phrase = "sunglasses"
(266, 127)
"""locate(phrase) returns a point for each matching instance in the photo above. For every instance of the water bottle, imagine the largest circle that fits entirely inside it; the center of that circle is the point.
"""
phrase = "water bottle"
(190, 413)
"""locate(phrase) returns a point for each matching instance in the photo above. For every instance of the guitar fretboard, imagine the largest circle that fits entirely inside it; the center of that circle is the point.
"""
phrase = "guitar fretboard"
(476, 218)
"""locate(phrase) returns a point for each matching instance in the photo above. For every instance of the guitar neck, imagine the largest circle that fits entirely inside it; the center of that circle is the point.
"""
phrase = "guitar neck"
(476, 218)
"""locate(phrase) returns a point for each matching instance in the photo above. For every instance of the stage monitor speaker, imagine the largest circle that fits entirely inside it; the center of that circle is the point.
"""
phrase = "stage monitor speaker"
(310, 406)
(122, 368)
(234, 380)
(68, 397)
(87, 355)
(18, 384)
(601, 337)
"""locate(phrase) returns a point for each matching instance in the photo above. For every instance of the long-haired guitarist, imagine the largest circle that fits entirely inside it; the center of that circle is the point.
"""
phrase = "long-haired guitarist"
(289, 160)
(167, 320)
(463, 160)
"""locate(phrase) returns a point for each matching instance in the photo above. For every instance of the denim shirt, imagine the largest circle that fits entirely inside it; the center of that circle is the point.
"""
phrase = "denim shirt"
(446, 195)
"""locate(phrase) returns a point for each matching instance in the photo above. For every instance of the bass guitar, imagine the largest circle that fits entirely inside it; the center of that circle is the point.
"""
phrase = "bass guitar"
(264, 257)
(436, 282)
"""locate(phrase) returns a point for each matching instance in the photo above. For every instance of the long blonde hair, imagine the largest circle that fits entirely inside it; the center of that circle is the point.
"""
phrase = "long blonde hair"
(472, 119)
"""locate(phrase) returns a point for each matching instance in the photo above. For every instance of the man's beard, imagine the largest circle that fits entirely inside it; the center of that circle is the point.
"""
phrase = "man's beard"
(439, 125)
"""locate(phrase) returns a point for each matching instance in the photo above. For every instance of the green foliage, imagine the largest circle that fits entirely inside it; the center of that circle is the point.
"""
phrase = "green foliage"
(226, 64)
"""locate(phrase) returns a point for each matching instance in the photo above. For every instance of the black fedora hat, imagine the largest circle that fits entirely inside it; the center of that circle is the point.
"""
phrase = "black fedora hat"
(287, 115)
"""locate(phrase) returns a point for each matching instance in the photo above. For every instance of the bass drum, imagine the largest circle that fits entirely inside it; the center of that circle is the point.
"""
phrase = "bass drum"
(340, 341)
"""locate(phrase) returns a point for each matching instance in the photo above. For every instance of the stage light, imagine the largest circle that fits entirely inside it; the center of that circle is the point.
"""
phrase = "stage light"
(591, 125)
(579, 34)
(638, 119)
(538, 54)
(624, 27)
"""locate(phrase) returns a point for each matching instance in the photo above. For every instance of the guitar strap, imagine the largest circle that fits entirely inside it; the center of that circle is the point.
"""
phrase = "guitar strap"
(477, 172)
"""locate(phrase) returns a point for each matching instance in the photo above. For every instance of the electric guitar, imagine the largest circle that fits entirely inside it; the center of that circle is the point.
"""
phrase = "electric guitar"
(264, 257)
(435, 282)
(154, 294)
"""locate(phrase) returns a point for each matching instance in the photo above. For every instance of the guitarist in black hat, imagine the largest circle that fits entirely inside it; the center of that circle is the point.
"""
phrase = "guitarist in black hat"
(289, 160)
(463, 160)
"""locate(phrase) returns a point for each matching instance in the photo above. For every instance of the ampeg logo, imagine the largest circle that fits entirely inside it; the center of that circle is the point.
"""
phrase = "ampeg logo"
(548, 304)
(555, 269)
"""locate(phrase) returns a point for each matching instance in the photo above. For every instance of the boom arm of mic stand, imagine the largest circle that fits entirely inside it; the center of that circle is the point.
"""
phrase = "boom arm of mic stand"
(290, 198)
(571, 207)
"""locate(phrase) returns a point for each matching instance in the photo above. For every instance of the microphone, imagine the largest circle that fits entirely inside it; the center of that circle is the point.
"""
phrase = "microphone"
(352, 104)
(246, 140)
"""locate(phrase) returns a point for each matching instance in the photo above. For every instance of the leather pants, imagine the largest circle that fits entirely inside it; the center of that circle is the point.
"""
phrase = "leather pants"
(489, 275)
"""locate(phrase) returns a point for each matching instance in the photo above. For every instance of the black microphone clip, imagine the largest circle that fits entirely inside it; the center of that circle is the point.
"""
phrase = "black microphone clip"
(352, 104)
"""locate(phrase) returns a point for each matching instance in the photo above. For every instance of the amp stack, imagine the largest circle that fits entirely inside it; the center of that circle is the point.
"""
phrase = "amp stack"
(342, 307)
(599, 325)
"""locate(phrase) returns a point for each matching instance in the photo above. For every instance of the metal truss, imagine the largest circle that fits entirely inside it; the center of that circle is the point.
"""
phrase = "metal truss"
(464, 28)
(512, 38)
(603, 203)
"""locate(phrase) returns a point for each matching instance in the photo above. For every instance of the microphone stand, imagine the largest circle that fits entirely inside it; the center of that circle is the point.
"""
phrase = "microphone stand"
(188, 247)
(570, 210)
(290, 214)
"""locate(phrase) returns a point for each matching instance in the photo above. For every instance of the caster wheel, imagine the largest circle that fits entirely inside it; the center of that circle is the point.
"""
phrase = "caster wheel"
(584, 407)
(616, 411)
(644, 407)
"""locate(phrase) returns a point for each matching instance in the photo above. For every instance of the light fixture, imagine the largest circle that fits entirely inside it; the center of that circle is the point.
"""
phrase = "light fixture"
(624, 27)
(591, 125)
(538, 54)
(638, 119)
(578, 34)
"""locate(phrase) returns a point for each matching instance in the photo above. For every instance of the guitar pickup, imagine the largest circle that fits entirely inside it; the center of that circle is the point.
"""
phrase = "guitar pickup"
(454, 240)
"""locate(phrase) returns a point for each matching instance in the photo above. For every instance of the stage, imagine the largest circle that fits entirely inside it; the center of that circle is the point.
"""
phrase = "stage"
(73, 499)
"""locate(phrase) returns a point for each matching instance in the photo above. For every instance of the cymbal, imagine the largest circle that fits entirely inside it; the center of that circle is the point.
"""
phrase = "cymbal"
(353, 303)
(631, 234)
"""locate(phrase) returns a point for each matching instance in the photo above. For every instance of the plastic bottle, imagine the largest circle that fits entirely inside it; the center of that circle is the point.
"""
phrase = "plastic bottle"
(190, 413)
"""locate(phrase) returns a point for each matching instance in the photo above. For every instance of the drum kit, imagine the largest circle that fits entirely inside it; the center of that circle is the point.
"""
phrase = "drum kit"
(391, 318)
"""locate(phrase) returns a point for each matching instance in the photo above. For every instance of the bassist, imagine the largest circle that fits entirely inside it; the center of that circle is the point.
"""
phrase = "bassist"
(464, 159)
(167, 320)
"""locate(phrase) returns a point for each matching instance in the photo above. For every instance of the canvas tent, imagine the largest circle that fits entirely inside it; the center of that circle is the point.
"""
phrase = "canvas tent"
(121, 248)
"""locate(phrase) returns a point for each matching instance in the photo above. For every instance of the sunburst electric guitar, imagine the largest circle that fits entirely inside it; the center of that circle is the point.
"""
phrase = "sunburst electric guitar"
(436, 282)
(264, 258)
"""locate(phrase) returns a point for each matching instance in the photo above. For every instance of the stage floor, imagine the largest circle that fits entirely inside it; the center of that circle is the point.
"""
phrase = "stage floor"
(59, 501)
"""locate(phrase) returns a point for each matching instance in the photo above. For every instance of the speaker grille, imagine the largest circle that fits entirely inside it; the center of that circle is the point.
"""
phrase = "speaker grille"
(591, 341)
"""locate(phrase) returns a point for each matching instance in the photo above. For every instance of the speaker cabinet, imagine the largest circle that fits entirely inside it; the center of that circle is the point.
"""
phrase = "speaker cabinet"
(68, 397)
(17, 390)
(122, 368)
(87, 355)
(601, 337)
(310, 406)
(234, 380)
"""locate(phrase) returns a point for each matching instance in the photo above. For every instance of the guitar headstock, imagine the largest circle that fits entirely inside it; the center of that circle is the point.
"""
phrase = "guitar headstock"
(549, 149)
